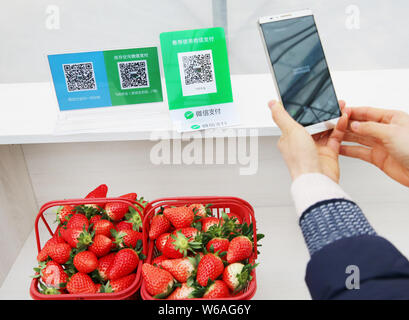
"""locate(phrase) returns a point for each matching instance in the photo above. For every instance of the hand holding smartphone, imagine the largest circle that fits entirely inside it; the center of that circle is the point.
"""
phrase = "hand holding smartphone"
(300, 70)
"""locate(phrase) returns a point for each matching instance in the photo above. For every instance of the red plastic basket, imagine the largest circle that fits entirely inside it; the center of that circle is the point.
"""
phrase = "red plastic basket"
(219, 204)
(124, 294)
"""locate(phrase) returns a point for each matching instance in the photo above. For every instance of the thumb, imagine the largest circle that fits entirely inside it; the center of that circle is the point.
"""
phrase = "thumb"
(281, 117)
(376, 130)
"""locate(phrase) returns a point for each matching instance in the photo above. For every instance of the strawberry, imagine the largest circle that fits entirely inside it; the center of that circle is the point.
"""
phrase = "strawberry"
(217, 290)
(218, 245)
(117, 210)
(158, 282)
(210, 268)
(128, 238)
(180, 217)
(199, 210)
(208, 222)
(99, 192)
(240, 248)
(134, 218)
(85, 261)
(237, 276)
(238, 219)
(94, 219)
(101, 245)
(43, 254)
(159, 225)
(157, 262)
(59, 252)
(103, 265)
(182, 268)
(63, 212)
(182, 292)
(98, 287)
(51, 274)
(78, 221)
(123, 225)
(161, 241)
(77, 238)
(125, 262)
(180, 242)
(81, 283)
(119, 284)
(103, 227)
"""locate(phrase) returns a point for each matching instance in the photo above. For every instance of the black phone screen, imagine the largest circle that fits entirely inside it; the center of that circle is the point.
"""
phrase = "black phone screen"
(301, 71)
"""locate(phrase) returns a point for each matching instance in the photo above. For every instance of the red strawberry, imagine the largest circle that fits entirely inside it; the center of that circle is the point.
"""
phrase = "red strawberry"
(101, 245)
(78, 221)
(63, 212)
(59, 252)
(181, 269)
(182, 292)
(103, 265)
(157, 262)
(199, 210)
(123, 225)
(117, 210)
(240, 248)
(94, 219)
(98, 287)
(103, 227)
(238, 220)
(159, 225)
(52, 274)
(210, 268)
(43, 254)
(81, 283)
(125, 262)
(76, 237)
(122, 283)
(180, 217)
(218, 245)
(99, 192)
(208, 222)
(180, 242)
(85, 261)
(161, 241)
(217, 290)
(237, 276)
(128, 238)
(158, 282)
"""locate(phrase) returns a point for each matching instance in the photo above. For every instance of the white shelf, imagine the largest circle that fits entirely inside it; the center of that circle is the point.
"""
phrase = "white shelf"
(29, 112)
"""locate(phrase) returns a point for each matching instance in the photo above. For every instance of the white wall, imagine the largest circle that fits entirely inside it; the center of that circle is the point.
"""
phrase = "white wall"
(17, 205)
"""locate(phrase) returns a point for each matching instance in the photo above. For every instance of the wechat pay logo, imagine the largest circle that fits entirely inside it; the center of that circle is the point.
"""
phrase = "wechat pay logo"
(188, 115)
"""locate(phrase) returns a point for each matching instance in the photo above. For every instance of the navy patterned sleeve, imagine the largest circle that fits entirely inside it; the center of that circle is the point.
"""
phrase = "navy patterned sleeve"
(328, 221)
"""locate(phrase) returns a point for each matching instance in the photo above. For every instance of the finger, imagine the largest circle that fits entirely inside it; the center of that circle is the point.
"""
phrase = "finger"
(341, 105)
(357, 152)
(376, 130)
(337, 135)
(366, 141)
(371, 114)
(281, 117)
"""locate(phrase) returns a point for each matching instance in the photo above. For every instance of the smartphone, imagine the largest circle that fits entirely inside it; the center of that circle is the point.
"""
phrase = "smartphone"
(300, 70)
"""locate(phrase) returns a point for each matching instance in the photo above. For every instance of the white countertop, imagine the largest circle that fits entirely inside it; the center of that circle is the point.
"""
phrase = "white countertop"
(29, 111)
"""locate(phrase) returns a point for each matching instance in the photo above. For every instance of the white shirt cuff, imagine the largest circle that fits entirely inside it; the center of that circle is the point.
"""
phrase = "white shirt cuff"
(310, 188)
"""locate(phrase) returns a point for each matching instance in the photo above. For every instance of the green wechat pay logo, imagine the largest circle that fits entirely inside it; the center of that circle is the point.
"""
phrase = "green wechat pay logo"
(189, 115)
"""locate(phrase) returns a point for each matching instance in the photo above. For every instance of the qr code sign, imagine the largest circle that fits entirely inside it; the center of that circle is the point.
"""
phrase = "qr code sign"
(79, 76)
(197, 72)
(133, 74)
